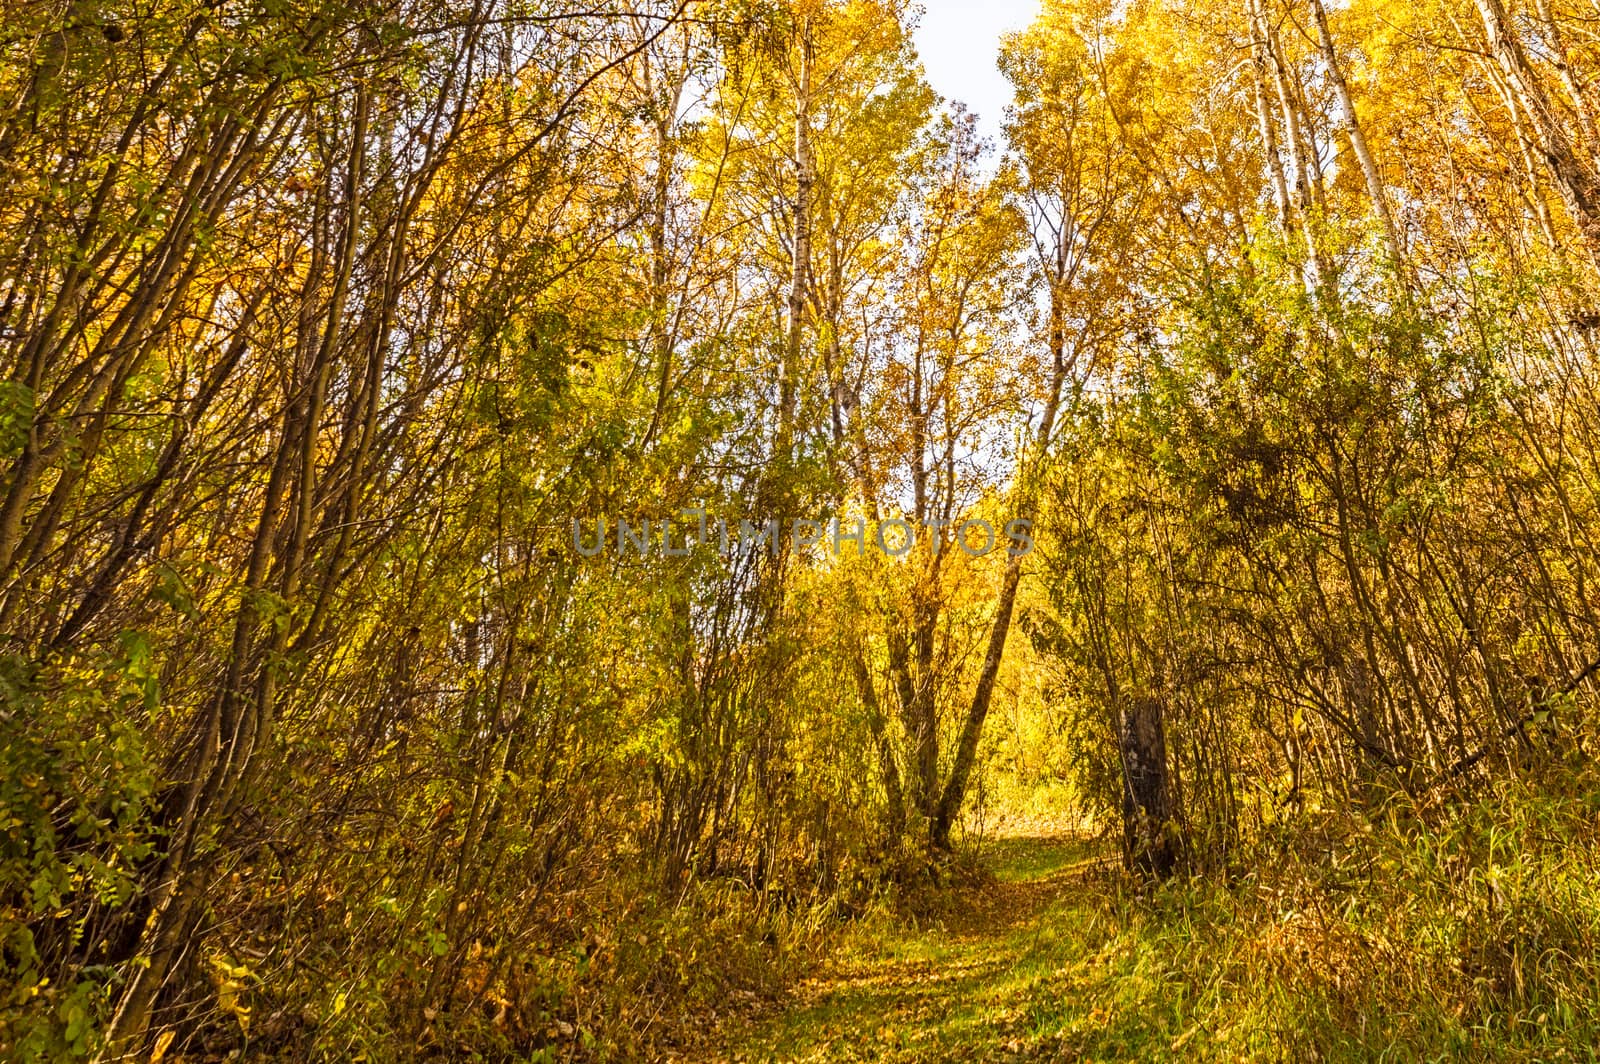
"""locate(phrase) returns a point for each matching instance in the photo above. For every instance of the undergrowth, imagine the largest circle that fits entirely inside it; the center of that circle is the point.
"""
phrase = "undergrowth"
(1464, 930)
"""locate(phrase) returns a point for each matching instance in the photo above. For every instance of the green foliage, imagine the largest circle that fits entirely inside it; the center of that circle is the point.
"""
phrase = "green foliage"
(1467, 929)
(76, 797)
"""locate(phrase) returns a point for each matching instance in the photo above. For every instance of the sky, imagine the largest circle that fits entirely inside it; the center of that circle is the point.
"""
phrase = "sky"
(959, 40)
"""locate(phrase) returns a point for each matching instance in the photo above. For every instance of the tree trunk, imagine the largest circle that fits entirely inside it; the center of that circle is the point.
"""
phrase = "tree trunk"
(1575, 176)
(894, 794)
(789, 382)
(1148, 836)
(1297, 143)
(1269, 134)
(955, 789)
(1358, 141)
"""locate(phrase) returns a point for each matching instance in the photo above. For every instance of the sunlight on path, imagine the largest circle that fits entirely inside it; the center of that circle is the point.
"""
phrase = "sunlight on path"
(963, 987)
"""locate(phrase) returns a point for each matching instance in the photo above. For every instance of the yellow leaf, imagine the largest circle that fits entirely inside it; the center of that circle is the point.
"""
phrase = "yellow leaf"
(162, 1042)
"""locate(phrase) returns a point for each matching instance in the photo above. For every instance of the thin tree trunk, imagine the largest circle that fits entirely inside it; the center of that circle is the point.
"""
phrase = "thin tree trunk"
(1575, 177)
(955, 789)
(1294, 136)
(1269, 133)
(789, 382)
(895, 813)
(1358, 140)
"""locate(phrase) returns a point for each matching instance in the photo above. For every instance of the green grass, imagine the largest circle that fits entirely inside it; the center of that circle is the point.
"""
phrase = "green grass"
(1023, 859)
(1059, 957)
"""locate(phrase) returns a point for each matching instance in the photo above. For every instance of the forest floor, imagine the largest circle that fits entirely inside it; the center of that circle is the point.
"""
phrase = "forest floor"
(971, 981)
(1050, 953)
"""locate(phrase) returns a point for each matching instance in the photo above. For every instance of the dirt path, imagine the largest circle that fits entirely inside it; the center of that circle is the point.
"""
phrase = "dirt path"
(961, 987)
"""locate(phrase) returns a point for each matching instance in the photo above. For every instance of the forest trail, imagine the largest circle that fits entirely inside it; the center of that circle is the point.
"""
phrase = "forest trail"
(964, 984)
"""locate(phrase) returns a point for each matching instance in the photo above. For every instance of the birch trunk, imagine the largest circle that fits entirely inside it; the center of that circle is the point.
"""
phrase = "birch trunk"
(1358, 141)
(1575, 177)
